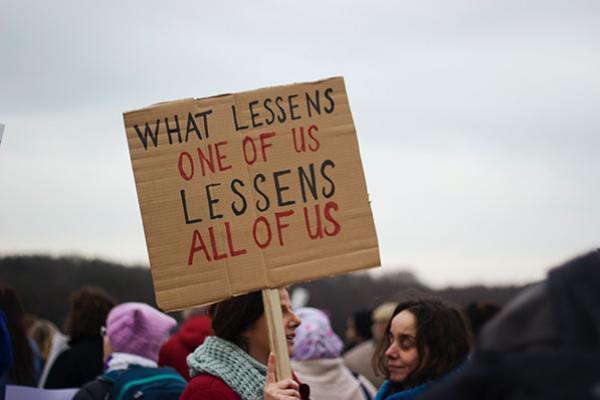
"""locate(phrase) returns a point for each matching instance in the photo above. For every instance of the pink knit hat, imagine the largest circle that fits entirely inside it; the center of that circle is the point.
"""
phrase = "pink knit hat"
(314, 337)
(137, 328)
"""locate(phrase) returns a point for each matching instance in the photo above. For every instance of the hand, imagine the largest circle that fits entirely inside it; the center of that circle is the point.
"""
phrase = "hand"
(286, 389)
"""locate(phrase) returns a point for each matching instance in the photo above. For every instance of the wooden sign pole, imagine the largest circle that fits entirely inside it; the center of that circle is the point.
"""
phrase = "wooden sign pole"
(277, 339)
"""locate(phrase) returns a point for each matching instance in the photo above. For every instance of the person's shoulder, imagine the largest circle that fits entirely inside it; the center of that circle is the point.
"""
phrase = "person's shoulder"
(204, 387)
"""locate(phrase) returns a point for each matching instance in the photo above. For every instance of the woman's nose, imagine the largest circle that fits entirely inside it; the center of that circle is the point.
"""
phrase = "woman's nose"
(391, 351)
(295, 320)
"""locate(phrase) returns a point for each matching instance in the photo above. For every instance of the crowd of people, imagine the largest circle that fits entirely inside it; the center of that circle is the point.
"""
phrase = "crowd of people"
(544, 344)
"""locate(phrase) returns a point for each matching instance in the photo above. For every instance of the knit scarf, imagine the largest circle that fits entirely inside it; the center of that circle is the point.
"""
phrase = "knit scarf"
(124, 360)
(223, 359)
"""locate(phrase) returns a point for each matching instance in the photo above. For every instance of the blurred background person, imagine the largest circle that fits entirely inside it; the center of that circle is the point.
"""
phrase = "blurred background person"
(427, 340)
(479, 314)
(42, 332)
(60, 343)
(132, 338)
(316, 361)
(358, 329)
(359, 358)
(191, 334)
(82, 361)
(26, 362)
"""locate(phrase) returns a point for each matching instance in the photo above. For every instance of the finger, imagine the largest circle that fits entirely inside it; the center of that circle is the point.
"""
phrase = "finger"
(288, 384)
(290, 393)
(271, 369)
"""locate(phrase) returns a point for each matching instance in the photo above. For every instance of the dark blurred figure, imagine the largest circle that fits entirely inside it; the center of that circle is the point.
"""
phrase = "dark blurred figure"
(545, 344)
(190, 335)
(358, 329)
(82, 362)
(5, 352)
(479, 314)
(26, 363)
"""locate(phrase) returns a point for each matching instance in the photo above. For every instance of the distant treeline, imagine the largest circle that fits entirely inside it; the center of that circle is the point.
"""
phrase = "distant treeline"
(44, 284)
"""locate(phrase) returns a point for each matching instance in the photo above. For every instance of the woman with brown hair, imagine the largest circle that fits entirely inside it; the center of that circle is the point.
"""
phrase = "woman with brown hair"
(236, 363)
(426, 341)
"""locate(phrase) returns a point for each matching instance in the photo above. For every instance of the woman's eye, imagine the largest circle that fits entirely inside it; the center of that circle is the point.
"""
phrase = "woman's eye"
(406, 345)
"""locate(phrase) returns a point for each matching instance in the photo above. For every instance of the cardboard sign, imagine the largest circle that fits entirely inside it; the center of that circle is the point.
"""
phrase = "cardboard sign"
(251, 190)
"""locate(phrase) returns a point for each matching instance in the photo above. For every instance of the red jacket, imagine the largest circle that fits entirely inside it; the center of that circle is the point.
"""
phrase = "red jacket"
(208, 387)
(191, 335)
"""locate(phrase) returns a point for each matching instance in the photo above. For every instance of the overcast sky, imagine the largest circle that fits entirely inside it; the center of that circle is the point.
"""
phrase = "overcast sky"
(478, 121)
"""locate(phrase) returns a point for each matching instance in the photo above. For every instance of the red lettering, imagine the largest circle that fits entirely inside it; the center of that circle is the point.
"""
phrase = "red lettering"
(336, 226)
(263, 137)
(197, 245)
(213, 243)
(319, 231)
(302, 146)
(245, 142)
(180, 164)
(280, 226)
(232, 251)
(205, 161)
(311, 129)
(269, 234)
(221, 157)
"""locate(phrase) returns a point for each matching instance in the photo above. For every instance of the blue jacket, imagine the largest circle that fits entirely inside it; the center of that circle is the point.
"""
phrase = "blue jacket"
(387, 391)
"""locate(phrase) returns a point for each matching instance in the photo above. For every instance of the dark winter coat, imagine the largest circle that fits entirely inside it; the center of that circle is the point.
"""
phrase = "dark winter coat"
(79, 364)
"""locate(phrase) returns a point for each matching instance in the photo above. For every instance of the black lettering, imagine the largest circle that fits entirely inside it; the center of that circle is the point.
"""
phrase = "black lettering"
(235, 120)
(272, 118)
(212, 201)
(185, 210)
(315, 104)
(253, 115)
(170, 130)
(242, 209)
(204, 115)
(293, 106)
(262, 178)
(331, 192)
(280, 189)
(148, 131)
(192, 127)
(328, 96)
(283, 116)
(311, 182)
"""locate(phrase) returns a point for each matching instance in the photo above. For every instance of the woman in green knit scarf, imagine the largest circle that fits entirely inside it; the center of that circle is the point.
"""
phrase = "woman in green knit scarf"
(232, 365)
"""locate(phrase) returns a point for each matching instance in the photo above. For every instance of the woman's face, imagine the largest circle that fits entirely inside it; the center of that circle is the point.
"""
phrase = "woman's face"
(402, 355)
(258, 334)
